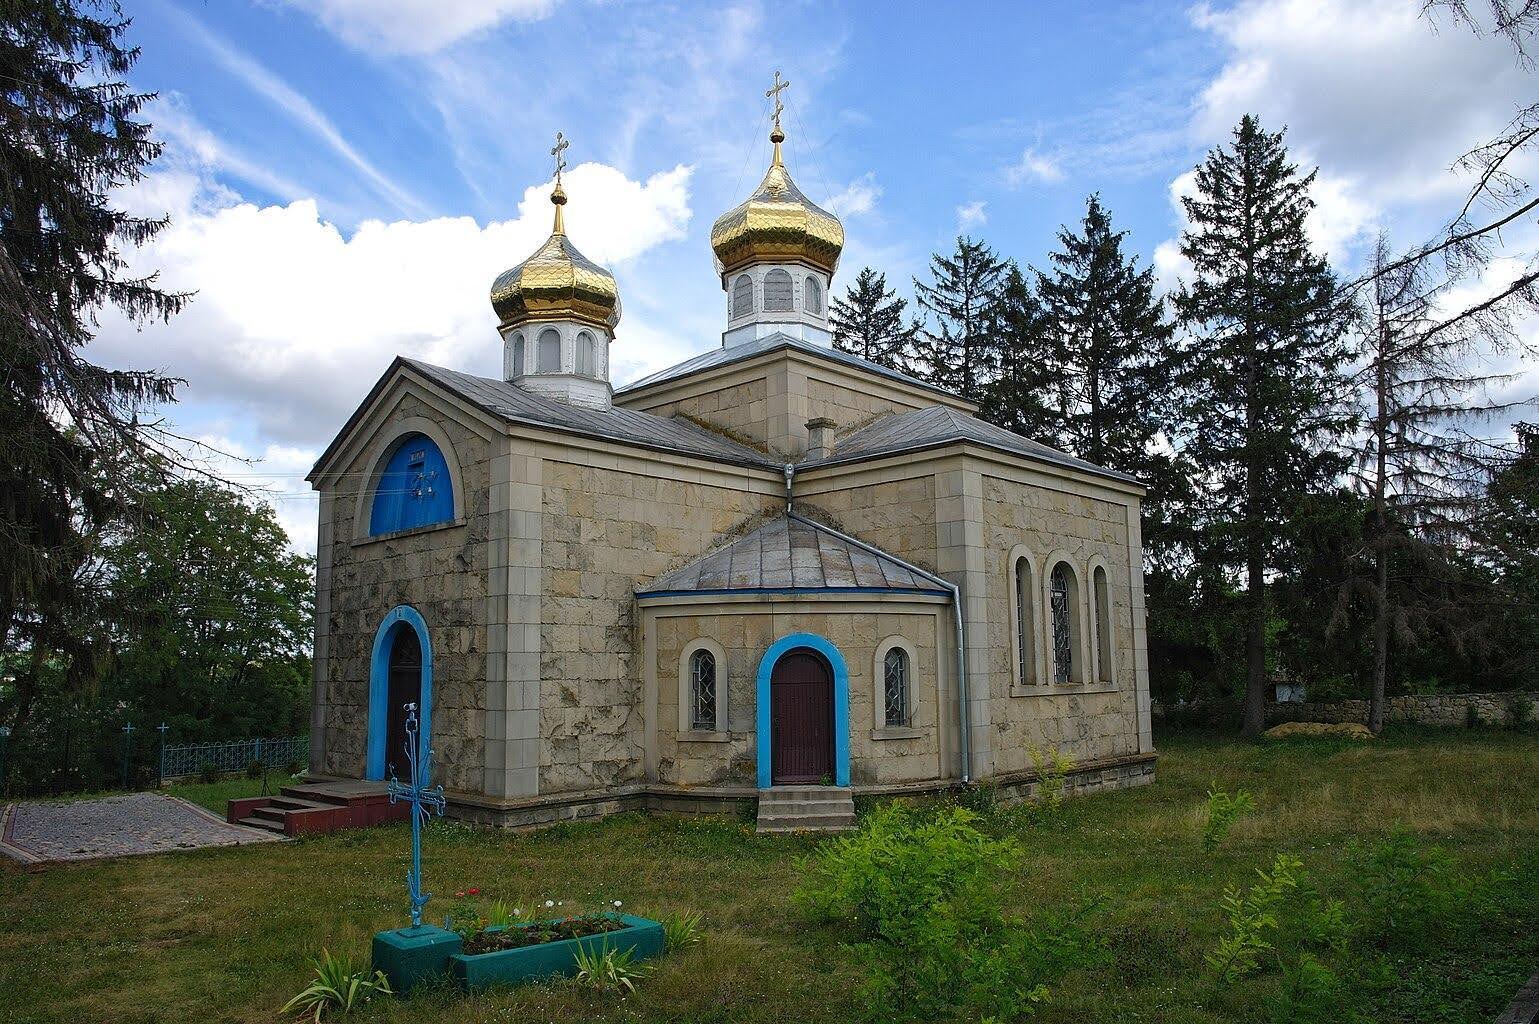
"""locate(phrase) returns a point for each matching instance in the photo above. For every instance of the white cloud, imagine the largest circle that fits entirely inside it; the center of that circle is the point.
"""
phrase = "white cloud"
(1034, 166)
(418, 26)
(856, 198)
(972, 215)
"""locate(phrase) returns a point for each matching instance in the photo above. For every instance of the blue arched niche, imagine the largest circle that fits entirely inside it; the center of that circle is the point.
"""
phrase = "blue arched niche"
(414, 488)
(764, 742)
(399, 618)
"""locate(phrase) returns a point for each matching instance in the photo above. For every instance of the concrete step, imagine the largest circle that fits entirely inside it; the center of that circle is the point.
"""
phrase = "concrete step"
(806, 809)
(289, 803)
(790, 810)
(811, 823)
(262, 823)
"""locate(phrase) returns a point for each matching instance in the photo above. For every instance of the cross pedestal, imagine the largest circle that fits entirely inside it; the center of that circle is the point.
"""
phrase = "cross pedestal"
(412, 955)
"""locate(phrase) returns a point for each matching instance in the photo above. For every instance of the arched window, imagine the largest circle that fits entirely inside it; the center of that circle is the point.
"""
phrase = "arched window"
(1103, 625)
(895, 688)
(414, 488)
(516, 355)
(1064, 595)
(813, 293)
(702, 690)
(742, 296)
(777, 291)
(550, 351)
(1025, 623)
(585, 354)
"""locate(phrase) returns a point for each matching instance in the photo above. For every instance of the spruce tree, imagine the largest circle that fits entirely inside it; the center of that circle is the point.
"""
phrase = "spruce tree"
(956, 348)
(1020, 398)
(1267, 344)
(74, 442)
(1112, 354)
(868, 322)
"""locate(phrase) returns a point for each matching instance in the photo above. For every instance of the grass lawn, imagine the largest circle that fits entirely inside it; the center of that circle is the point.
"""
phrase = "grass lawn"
(225, 934)
(216, 796)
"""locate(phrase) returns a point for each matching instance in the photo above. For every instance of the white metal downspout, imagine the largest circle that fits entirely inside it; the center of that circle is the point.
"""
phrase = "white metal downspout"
(956, 607)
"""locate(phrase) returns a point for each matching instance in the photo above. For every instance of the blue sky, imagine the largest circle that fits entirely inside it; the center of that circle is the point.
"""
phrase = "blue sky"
(346, 177)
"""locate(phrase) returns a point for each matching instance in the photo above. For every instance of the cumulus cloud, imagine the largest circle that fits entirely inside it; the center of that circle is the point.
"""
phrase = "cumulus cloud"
(856, 198)
(1034, 166)
(418, 26)
(972, 215)
(294, 319)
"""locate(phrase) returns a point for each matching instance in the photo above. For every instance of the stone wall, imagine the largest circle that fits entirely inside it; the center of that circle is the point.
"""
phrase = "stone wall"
(894, 511)
(605, 532)
(739, 409)
(440, 571)
(850, 408)
(1415, 709)
(1087, 722)
(745, 632)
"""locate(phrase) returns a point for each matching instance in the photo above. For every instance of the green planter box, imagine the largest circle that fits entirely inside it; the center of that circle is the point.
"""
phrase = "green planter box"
(411, 956)
(475, 971)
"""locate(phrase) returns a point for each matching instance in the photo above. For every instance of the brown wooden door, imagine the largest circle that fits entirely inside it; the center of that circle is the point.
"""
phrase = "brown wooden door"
(802, 719)
(405, 688)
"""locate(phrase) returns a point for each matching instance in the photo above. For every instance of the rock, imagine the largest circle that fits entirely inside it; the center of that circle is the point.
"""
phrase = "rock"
(1349, 730)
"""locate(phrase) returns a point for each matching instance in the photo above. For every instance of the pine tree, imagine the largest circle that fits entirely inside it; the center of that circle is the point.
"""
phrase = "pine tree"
(1020, 397)
(956, 348)
(1112, 354)
(1266, 392)
(73, 440)
(868, 322)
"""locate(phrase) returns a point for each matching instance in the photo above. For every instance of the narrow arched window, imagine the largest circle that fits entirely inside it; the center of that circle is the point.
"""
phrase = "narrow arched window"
(895, 672)
(585, 353)
(742, 296)
(550, 351)
(1103, 626)
(777, 291)
(1025, 624)
(702, 690)
(516, 355)
(413, 489)
(813, 293)
(1062, 592)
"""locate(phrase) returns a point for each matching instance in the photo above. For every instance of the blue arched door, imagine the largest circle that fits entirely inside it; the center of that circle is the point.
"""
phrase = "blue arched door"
(400, 672)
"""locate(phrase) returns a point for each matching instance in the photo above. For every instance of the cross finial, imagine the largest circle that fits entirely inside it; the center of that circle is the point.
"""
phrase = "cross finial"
(773, 92)
(559, 152)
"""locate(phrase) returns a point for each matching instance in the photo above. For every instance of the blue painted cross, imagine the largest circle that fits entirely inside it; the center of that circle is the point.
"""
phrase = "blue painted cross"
(425, 801)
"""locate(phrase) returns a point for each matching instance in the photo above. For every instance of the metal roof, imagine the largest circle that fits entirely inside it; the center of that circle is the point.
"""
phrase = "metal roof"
(790, 554)
(773, 343)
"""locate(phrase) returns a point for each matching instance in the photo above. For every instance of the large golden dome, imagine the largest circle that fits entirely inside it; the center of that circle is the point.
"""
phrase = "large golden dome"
(557, 283)
(777, 224)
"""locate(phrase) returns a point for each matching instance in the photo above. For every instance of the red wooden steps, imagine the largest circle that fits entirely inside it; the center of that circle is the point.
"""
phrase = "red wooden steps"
(315, 807)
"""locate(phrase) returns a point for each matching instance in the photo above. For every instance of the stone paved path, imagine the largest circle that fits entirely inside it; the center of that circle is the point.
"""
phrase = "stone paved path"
(116, 826)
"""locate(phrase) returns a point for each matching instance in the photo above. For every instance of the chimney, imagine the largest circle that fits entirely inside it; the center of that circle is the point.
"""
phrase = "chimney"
(820, 438)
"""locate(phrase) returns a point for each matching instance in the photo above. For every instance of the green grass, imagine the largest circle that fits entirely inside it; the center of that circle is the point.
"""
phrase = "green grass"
(216, 795)
(226, 934)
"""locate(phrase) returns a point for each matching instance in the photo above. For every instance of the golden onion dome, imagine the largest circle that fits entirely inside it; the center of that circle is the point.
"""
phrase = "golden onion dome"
(557, 283)
(777, 224)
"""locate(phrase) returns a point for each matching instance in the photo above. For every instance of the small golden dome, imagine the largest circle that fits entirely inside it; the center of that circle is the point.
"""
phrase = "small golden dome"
(557, 283)
(777, 224)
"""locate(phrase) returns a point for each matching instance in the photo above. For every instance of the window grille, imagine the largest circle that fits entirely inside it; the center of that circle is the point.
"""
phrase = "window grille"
(702, 690)
(777, 291)
(1063, 639)
(1025, 648)
(742, 296)
(895, 686)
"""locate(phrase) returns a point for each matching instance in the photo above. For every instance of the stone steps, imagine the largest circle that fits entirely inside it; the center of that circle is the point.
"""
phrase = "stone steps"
(266, 824)
(806, 809)
(309, 808)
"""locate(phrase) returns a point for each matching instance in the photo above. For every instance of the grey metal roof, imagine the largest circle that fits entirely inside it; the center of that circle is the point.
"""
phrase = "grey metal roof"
(937, 425)
(790, 554)
(512, 403)
(736, 353)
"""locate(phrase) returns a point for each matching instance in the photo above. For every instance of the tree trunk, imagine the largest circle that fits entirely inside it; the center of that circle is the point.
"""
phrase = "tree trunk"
(1380, 649)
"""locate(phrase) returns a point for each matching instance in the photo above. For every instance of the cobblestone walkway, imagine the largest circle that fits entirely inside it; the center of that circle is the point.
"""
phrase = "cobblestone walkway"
(115, 826)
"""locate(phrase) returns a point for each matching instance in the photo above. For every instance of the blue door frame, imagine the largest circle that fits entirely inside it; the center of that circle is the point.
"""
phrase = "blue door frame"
(398, 618)
(764, 741)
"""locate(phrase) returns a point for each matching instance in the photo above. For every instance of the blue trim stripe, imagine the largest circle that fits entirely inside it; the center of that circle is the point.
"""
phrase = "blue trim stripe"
(399, 617)
(778, 591)
(764, 740)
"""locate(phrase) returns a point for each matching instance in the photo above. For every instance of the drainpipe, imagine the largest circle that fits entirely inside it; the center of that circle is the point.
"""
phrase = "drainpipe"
(790, 475)
(956, 607)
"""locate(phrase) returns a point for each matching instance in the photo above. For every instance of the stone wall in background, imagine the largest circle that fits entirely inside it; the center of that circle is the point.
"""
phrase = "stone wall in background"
(1444, 709)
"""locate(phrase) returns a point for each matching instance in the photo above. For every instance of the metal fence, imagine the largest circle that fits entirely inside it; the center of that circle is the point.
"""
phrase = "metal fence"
(193, 758)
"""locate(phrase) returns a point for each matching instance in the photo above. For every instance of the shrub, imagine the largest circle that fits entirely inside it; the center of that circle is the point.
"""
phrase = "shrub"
(1521, 711)
(1406, 895)
(1223, 811)
(1310, 994)
(208, 774)
(338, 987)
(1253, 919)
(293, 767)
(1052, 774)
(256, 769)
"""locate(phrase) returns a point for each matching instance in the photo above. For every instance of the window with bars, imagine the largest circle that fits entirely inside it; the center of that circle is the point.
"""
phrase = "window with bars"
(742, 296)
(1025, 648)
(895, 671)
(1063, 625)
(702, 690)
(777, 291)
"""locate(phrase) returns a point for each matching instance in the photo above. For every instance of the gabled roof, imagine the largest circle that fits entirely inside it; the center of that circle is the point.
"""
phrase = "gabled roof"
(791, 554)
(718, 357)
(512, 404)
(923, 428)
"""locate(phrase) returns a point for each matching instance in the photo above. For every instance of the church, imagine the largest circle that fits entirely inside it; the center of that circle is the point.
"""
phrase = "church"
(770, 577)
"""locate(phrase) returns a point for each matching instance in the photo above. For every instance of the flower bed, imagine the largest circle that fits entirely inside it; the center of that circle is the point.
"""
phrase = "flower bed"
(495, 939)
(528, 952)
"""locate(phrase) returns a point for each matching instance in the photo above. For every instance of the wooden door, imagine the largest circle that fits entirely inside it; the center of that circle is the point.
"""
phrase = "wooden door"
(802, 719)
(405, 687)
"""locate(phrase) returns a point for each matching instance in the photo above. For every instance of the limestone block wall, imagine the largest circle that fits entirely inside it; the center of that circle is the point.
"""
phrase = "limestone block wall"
(1086, 722)
(740, 408)
(1449, 710)
(850, 408)
(745, 631)
(605, 531)
(892, 508)
(441, 571)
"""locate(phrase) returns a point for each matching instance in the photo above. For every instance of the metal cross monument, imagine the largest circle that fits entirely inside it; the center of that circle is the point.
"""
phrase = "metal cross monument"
(424, 802)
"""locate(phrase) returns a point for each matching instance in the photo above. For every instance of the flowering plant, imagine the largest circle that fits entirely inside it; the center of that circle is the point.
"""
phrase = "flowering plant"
(477, 920)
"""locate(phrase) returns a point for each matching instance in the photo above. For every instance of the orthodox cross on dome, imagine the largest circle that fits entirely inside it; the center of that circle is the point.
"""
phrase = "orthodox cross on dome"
(424, 801)
(558, 194)
(559, 152)
(773, 92)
